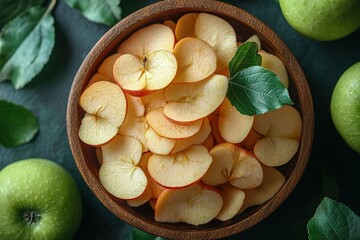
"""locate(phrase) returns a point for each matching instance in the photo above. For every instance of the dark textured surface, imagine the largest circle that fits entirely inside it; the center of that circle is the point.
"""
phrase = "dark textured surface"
(332, 169)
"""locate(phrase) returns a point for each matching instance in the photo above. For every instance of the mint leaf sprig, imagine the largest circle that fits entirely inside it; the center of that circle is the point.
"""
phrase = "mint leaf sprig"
(252, 88)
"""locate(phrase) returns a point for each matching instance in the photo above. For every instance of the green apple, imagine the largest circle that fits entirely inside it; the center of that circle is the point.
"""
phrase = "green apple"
(322, 20)
(345, 106)
(39, 200)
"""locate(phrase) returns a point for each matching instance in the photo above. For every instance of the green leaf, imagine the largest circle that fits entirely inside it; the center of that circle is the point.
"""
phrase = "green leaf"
(333, 220)
(9, 9)
(17, 124)
(245, 56)
(107, 12)
(26, 44)
(256, 90)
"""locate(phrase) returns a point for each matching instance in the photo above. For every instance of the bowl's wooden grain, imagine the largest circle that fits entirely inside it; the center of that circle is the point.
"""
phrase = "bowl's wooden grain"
(245, 25)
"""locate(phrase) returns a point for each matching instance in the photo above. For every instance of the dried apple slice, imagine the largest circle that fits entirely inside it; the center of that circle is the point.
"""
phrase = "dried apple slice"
(274, 64)
(234, 165)
(165, 128)
(219, 34)
(106, 67)
(197, 204)
(233, 126)
(185, 26)
(140, 76)
(154, 100)
(188, 103)
(233, 200)
(196, 60)
(120, 174)
(105, 106)
(281, 129)
(158, 144)
(180, 169)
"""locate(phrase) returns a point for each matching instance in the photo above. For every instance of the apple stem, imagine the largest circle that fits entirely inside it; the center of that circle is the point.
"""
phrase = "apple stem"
(144, 61)
(31, 217)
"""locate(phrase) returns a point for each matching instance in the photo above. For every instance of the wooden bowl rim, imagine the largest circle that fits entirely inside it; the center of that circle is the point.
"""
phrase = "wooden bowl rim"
(237, 14)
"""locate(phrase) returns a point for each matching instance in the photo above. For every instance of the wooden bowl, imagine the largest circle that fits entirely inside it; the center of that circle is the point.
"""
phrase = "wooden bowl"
(245, 25)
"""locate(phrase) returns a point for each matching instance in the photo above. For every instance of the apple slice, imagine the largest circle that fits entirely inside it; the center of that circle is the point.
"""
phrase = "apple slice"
(148, 39)
(158, 144)
(120, 174)
(234, 165)
(274, 64)
(185, 26)
(135, 127)
(180, 169)
(196, 60)
(233, 126)
(219, 34)
(171, 24)
(105, 106)
(106, 67)
(188, 103)
(215, 128)
(281, 129)
(198, 138)
(209, 142)
(273, 181)
(154, 100)
(165, 128)
(250, 140)
(196, 205)
(233, 200)
(140, 76)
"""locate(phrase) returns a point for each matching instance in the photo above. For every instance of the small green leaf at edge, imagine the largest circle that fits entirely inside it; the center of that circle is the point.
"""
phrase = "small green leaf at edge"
(256, 90)
(23, 59)
(10, 9)
(99, 11)
(333, 220)
(137, 234)
(17, 124)
(245, 56)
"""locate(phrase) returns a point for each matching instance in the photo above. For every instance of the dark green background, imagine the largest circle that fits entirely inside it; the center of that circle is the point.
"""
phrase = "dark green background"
(333, 169)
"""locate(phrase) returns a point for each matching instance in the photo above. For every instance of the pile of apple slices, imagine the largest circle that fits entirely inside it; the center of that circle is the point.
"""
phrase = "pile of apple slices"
(165, 133)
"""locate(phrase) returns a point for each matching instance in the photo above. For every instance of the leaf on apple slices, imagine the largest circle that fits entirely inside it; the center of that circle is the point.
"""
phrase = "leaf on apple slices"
(26, 43)
(17, 124)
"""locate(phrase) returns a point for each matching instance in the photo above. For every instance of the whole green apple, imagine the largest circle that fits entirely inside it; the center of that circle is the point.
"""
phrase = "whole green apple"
(322, 20)
(39, 199)
(345, 106)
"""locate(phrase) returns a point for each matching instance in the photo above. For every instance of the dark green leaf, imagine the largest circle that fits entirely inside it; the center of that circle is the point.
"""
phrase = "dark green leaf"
(17, 124)
(137, 234)
(10, 9)
(245, 56)
(333, 220)
(256, 90)
(26, 43)
(107, 12)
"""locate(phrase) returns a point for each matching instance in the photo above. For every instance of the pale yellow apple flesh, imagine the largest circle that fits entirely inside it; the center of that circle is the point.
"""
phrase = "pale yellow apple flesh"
(276, 65)
(187, 104)
(281, 129)
(185, 26)
(105, 106)
(140, 76)
(106, 67)
(158, 144)
(219, 34)
(195, 205)
(233, 199)
(233, 126)
(154, 100)
(196, 60)
(148, 39)
(120, 174)
(180, 169)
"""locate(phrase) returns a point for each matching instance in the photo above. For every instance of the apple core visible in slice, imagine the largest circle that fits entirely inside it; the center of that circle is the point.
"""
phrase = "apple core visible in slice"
(190, 102)
(180, 169)
(141, 76)
(105, 106)
(194, 205)
(120, 174)
(281, 129)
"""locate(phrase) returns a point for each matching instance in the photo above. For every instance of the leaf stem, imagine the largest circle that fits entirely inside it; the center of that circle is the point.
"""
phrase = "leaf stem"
(50, 7)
